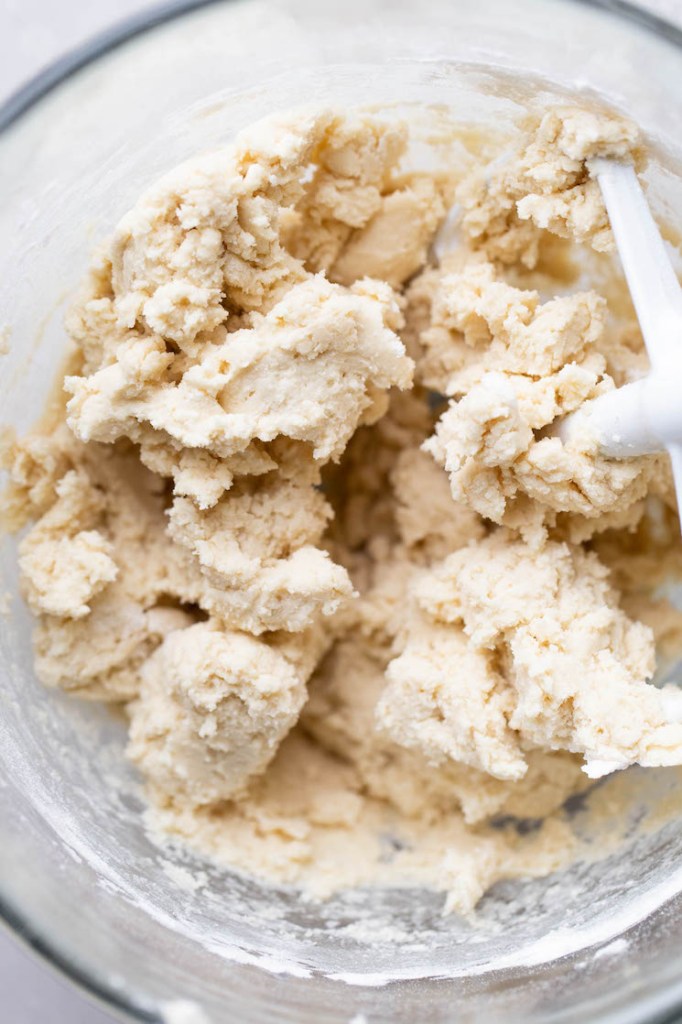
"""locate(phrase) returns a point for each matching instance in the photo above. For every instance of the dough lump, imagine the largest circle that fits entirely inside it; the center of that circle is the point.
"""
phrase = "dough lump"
(213, 707)
(557, 664)
(515, 365)
(545, 183)
(205, 338)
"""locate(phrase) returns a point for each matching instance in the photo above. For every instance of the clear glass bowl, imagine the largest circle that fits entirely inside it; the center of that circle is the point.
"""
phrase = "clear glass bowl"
(79, 878)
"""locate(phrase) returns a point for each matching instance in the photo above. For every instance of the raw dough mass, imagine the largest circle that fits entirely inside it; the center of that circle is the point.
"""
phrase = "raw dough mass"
(303, 516)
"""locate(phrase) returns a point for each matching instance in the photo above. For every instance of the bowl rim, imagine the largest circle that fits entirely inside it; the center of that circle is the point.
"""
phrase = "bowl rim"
(16, 105)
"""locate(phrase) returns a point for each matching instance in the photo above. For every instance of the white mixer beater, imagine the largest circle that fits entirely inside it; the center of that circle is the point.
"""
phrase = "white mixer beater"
(646, 415)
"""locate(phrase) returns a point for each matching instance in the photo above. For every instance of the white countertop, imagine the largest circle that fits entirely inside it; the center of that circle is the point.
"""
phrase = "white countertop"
(33, 33)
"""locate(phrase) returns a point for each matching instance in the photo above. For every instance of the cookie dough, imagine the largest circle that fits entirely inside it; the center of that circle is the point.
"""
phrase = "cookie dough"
(303, 512)
(544, 184)
(557, 664)
(514, 365)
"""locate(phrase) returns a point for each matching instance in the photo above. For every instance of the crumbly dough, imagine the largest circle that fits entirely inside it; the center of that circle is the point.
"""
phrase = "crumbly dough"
(514, 365)
(255, 551)
(544, 184)
(197, 306)
(366, 613)
(558, 665)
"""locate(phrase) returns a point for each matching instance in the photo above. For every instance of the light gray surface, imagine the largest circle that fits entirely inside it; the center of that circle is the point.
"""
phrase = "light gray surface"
(32, 34)
(32, 993)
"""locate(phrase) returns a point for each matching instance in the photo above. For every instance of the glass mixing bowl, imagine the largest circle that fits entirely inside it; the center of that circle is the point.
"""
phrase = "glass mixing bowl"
(79, 877)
